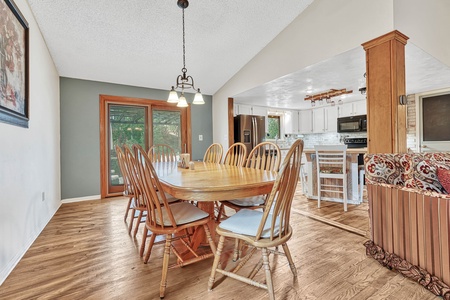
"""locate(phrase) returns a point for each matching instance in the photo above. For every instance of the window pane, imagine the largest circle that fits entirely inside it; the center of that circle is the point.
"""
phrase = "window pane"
(127, 126)
(167, 129)
(273, 127)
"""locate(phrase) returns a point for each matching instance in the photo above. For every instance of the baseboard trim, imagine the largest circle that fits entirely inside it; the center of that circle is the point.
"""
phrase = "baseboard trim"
(4, 273)
(79, 199)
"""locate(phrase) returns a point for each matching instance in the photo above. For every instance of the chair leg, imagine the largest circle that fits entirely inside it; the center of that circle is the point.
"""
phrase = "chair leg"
(220, 212)
(162, 287)
(210, 240)
(318, 192)
(265, 257)
(141, 212)
(236, 249)
(133, 211)
(144, 239)
(287, 252)
(217, 255)
(149, 248)
(345, 194)
(128, 209)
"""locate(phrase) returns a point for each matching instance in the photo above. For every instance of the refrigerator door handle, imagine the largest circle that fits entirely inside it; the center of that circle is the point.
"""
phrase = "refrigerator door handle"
(256, 132)
(253, 132)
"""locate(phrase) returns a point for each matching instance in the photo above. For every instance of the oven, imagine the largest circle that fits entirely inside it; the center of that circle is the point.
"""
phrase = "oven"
(352, 124)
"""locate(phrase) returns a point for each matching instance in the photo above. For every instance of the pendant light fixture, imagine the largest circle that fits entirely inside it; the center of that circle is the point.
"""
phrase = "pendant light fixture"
(184, 81)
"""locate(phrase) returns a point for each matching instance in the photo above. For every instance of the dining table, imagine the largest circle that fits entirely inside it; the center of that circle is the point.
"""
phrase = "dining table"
(206, 183)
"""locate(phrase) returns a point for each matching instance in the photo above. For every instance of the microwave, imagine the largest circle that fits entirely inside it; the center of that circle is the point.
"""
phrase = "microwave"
(352, 124)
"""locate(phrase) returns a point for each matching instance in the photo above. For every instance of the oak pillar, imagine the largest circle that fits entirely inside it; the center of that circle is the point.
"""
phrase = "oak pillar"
(385, 76)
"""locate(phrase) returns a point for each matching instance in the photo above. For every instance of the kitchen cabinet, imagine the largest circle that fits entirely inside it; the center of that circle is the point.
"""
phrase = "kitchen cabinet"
(325, 119)
(355, 108)
(305, 121)
(259, 111)
(291, 122)
(244, 109)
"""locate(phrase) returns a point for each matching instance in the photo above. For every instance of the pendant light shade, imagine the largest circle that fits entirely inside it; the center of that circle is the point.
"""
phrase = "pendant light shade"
(198, 99)
(182, 101)
(173, 96)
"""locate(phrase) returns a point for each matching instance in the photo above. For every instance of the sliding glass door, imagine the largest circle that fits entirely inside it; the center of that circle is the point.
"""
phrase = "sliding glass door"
(129, 121)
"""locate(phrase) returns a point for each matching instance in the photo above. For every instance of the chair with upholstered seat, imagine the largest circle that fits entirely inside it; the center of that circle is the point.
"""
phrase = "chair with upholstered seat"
(140, 205)
(214, 153)
(331, 163)
(236, 155)
(169, 220)
(265, 156)
(161, 152)
(263, 230)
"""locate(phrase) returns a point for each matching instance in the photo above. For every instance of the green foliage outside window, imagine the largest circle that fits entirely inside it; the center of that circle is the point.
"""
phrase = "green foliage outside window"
(273, 127)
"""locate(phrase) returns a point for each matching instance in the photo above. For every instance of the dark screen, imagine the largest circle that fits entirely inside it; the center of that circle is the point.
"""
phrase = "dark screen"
(436, 118)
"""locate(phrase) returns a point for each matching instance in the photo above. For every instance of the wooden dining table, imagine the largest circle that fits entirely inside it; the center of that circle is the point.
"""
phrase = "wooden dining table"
(209, 182)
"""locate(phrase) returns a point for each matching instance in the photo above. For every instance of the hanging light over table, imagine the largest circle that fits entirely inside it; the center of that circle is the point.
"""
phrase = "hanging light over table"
(184, 81)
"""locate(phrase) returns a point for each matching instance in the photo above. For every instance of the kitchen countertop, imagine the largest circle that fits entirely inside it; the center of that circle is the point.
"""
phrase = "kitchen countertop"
(349, 150)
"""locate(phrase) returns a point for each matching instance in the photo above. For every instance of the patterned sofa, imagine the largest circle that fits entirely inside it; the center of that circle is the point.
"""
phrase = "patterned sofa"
(409, 208)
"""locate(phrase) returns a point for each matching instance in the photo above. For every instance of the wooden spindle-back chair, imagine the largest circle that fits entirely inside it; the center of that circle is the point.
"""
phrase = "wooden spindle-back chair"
(264, 230)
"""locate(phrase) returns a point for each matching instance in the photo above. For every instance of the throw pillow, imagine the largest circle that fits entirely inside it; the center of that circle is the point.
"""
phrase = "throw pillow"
(444, 178)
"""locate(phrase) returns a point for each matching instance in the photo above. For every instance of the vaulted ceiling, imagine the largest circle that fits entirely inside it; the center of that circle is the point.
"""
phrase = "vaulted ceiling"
(139, 43)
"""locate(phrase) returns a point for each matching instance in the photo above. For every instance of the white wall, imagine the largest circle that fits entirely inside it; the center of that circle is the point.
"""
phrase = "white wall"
(325, 29)
(30, 158)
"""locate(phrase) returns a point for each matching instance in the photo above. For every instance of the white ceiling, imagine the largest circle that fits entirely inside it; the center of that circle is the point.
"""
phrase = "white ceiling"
(423, 73)
(139, 43)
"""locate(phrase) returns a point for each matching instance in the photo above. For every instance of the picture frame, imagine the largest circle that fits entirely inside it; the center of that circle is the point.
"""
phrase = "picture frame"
(14, 65)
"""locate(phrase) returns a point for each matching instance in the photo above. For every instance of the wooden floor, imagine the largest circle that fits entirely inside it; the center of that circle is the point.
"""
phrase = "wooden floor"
(85, 252)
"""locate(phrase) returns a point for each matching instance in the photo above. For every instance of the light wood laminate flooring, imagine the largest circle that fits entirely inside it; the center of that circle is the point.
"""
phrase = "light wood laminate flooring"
(85, 252)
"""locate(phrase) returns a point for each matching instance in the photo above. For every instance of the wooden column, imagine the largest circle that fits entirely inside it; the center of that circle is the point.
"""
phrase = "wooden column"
(385, 73)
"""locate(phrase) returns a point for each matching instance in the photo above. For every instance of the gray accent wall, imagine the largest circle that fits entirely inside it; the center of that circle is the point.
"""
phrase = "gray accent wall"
(80, 130)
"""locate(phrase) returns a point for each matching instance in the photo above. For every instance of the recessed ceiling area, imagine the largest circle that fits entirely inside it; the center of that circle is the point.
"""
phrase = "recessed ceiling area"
(423, 73)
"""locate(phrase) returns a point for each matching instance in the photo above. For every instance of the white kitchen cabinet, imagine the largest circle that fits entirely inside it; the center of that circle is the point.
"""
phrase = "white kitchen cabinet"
(291, 122)
(360, 107)
(244, 109)
(305, 121)
(259, 111)
(325, 119)
(318, 120)
(352, 108)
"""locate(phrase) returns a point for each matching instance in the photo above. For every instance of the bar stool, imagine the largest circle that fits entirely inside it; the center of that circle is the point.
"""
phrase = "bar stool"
(331, 166)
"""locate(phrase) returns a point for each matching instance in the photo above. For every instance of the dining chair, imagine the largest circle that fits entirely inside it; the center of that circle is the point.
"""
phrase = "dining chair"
(161, 152)
(127, 188)
(137, 206)
(331, 168)
(140, 204)
(214, 153)
(236, 155)
(265, 156)
(263, 230)
(169, 219)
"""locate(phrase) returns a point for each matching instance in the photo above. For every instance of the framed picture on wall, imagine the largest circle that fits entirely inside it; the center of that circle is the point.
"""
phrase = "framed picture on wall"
(13, 65)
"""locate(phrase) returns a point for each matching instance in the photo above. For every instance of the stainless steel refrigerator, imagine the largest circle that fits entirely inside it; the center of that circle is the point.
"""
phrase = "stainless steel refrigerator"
(250, 130)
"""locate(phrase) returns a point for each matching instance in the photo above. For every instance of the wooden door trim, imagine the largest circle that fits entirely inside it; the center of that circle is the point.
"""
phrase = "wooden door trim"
(105, 100)
(230, 121)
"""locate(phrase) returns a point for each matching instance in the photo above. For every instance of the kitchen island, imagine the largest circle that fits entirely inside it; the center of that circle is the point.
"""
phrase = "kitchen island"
(352, 173)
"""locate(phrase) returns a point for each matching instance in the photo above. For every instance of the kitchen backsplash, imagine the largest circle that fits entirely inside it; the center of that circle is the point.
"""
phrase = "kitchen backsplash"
(331, 138)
